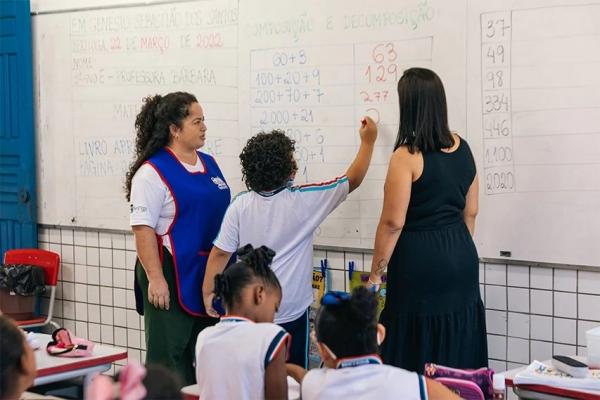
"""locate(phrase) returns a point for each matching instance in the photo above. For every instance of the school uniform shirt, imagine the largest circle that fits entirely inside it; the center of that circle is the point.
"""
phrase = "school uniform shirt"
(284, 221)
(152, 202)
(232, 356)
(363, 378)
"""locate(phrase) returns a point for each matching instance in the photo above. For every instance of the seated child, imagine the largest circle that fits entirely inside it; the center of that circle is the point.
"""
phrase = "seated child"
(347, 335)
(243, 356)
(17, 361)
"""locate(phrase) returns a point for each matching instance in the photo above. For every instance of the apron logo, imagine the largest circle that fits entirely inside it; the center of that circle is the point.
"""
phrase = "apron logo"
(137, 209)
(219, 182)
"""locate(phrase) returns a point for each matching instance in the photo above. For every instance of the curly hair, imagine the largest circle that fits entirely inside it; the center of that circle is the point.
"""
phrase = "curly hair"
(267, 161)
(152, 127)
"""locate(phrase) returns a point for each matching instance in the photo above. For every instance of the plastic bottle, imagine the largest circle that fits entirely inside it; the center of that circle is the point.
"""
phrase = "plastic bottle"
(499, 387)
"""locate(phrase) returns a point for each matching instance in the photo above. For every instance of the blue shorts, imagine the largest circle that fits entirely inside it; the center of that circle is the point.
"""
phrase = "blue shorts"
(298, 329)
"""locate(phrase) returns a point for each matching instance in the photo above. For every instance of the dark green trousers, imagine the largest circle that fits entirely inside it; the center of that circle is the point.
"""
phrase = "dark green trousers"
(170, 334)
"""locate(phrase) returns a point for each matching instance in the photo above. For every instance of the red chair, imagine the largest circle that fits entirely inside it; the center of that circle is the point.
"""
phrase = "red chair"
(50, 262)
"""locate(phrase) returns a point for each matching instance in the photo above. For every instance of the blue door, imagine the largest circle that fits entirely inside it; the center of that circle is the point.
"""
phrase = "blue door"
(18, 227)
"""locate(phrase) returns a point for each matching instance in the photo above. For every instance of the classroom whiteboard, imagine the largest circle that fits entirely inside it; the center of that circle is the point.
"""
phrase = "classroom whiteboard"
(94, 68)
(534, 122)
(314, 68)
(306, 67)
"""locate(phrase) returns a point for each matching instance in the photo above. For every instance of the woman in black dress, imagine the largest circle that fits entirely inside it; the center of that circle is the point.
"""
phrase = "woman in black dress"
(433, 310)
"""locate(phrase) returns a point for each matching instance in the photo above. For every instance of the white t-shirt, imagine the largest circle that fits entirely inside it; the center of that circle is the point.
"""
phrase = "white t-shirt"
(369, 381)
(152, 203)
(232, 356)
(284, 222)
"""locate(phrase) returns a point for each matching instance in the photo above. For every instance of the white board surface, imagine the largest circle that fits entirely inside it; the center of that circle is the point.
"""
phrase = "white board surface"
(534, 123)
(314, 68)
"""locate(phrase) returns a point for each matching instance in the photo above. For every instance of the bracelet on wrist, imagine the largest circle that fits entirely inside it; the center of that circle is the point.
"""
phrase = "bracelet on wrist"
(373, 283)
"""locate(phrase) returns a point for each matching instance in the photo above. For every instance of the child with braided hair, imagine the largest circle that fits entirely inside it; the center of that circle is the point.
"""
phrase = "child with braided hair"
(348, 337)
(243, 356)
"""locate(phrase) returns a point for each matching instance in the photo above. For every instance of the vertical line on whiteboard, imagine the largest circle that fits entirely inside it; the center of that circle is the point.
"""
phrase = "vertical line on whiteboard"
(510, 91)
(237, 56)
(75, 215)
(354, 109)
(249, 96)
(354, 79)
(480, 56)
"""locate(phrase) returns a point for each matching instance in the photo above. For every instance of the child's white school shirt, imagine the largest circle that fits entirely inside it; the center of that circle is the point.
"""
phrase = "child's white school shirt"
(231, 358)
(284, 222)
(363, 378)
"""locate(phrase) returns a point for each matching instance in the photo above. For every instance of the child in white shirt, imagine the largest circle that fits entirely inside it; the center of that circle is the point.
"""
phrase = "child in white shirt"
(348, 335)
(284, 217)
(243, 356)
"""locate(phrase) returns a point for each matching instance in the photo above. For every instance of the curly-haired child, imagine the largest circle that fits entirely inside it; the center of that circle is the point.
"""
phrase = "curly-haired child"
(284, 218)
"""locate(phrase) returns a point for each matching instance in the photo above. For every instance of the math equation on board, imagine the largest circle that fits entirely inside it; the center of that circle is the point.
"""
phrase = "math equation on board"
(498, 160)
(317, 95)
(539, 97)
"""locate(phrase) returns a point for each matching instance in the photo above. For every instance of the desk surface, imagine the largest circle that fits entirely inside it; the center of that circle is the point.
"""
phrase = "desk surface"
(48, 365)
(557, 392)
(191, 392)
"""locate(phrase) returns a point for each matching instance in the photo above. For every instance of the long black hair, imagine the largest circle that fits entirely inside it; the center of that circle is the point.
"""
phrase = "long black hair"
(349, 327)
(423, 112)
(267, 161)
(253, 264)
(152, 127)
(12, 348)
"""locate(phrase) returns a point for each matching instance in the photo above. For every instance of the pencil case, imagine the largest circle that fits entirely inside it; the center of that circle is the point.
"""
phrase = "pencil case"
(65, 344)
(482, 377)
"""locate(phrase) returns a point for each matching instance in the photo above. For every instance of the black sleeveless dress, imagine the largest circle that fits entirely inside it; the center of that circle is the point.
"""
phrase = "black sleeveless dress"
(433, 310)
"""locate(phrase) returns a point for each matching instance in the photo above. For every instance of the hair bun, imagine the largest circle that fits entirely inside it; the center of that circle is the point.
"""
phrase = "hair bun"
(260, 257)
(364, 305)
(245, 251)
(265, 254)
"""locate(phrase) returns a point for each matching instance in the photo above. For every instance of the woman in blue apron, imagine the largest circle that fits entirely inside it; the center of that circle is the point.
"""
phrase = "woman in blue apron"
(177, 197)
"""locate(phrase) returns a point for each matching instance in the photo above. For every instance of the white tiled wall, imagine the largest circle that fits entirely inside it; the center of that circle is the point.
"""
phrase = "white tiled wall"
(95, 294)
(547, 312)
(531, 312)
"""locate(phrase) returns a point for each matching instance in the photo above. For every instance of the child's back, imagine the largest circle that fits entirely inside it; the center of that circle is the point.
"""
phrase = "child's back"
(284, 218)
(348, 336)
(243, 356)
(233, 355)
(374, 381)
(285, 221)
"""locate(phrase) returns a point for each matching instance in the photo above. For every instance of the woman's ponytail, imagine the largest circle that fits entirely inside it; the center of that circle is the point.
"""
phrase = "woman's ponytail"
(152, 126)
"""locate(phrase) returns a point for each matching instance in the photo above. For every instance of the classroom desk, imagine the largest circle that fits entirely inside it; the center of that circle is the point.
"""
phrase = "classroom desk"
(52, 369)
(191, 392)
(543, 392)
